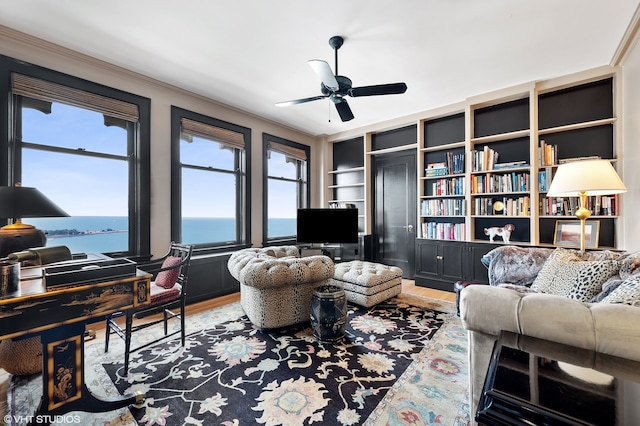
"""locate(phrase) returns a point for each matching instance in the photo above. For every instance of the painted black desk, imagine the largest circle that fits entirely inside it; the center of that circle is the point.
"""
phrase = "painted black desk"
(536, 382)
(59, 316)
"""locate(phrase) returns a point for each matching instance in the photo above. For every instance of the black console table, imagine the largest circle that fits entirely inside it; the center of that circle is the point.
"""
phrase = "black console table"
(536, 382)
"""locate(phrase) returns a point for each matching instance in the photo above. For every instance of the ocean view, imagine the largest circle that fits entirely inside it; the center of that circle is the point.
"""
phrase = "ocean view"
(104, 234)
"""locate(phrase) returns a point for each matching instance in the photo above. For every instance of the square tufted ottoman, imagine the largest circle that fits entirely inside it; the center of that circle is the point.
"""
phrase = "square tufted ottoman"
(367, 283)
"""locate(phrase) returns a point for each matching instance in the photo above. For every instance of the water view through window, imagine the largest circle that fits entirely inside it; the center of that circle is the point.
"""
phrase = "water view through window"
(82, 165)
(106, 234)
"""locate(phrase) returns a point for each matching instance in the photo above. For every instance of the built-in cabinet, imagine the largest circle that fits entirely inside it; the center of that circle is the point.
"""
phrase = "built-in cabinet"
(440, 263)
(488, 162)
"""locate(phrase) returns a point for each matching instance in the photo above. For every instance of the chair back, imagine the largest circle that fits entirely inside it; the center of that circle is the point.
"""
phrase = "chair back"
(183, 251)
(173, 272)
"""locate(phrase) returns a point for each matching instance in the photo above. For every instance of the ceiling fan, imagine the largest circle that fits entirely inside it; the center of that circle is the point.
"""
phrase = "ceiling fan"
(337, 86)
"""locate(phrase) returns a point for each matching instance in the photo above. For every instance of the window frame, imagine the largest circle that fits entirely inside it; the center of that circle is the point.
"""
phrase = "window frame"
(243, 191)
(139, 168)
(301, 197)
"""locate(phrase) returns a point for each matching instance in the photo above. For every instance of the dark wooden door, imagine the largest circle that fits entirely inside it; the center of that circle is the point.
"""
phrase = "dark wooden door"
(395, 210)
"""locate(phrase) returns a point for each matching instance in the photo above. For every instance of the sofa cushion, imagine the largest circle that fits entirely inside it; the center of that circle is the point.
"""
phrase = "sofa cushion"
(628, 292)
(566, 274)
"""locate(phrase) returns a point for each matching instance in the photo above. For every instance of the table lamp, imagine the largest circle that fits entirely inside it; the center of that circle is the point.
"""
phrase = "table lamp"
(17, 202)
(582, 179)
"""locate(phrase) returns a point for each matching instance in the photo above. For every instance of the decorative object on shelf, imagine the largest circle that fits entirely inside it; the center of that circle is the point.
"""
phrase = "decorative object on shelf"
(498, 206)
(17, 202)
(569, 233)
(584, 178)
(504, 232)
(329, 313)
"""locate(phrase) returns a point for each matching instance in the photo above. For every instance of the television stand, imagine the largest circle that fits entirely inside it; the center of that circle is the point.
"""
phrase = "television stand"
(341, 252)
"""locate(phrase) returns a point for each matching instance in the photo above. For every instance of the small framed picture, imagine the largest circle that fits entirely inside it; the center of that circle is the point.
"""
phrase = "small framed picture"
(568, 233)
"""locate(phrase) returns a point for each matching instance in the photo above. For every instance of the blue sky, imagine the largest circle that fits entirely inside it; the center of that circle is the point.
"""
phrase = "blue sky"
(95, 187)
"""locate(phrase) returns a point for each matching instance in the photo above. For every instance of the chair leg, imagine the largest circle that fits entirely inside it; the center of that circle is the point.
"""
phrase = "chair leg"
(127, 342)
(107, 333)
(166, 325)
(182, 321)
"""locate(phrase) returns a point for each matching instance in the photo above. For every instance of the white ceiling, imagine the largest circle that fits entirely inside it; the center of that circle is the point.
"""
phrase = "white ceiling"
(251, 54)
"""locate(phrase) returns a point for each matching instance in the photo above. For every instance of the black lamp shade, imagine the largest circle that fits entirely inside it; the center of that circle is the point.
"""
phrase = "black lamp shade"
(21, 201)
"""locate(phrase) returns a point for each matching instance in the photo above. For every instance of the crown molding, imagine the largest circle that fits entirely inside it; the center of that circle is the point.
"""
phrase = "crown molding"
(629, 38)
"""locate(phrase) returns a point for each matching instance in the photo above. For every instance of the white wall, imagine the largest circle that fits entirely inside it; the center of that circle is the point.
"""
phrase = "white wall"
(631, 145)
(39, 52)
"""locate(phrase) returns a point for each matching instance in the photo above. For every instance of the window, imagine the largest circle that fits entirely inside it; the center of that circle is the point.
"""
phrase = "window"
(210, 206)
(86, 147)
(286, 186)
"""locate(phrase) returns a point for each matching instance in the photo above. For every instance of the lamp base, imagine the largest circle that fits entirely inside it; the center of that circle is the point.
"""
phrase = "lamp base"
(14, 240)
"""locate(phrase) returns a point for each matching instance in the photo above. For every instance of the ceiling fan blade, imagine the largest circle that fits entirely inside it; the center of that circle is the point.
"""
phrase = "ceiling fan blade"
(299, 101)
(323, 70)
(344, 111)
(379, 89)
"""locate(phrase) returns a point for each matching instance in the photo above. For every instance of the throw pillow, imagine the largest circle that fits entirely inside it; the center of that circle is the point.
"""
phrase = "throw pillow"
(167, 279)
(566, 274)
(627, 292)
(590, 277)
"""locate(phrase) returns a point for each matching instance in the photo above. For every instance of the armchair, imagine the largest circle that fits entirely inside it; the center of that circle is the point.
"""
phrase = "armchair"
(276, 284)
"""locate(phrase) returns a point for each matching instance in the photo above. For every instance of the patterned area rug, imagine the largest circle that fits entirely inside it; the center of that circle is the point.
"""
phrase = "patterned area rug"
(403, 362)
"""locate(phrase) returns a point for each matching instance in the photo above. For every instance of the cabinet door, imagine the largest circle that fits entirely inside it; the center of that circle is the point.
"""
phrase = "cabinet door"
(427, 258)
(452, 261)
(476, 271)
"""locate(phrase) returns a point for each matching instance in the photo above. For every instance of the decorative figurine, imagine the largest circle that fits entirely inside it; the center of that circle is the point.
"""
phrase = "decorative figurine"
(504, 232)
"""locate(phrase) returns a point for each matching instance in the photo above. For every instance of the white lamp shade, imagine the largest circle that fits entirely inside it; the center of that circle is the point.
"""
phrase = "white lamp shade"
(595, 177)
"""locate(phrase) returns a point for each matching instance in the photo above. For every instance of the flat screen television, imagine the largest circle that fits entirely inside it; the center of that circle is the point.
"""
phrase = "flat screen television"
(327, 226)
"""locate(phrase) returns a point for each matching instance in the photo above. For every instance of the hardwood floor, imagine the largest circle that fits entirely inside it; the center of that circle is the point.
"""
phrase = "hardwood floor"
(408, 287)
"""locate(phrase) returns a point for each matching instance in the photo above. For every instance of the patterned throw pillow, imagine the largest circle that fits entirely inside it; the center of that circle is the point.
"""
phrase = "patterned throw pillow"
(566, 274)
(167, 279)
(627, 292)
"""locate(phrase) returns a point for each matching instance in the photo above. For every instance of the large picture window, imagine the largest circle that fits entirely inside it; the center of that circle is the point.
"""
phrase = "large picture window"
(210, 195)
(86, 147)
(286, 168)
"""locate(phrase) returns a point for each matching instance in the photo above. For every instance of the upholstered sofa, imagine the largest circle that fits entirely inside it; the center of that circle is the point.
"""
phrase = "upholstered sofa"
(589, 301)
(276, 284)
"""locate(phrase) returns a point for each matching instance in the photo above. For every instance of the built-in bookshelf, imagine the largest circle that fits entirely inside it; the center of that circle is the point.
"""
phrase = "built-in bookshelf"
(348, 178)
(443, 185)
(509, 147)
(577, 122)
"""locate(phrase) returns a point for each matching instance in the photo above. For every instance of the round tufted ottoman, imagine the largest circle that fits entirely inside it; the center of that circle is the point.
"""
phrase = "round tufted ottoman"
(367, 283)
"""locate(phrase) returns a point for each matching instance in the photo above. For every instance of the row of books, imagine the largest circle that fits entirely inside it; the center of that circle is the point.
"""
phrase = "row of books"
(547, 154)
(453, 165)
(444, 231)
(484, 159)
(544, 178)
(443, 207)
(451, 186)
(487, 206)
(598, 205)
(492, 183)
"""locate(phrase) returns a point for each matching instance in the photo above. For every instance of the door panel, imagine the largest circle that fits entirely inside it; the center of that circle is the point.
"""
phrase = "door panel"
(395, 210)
